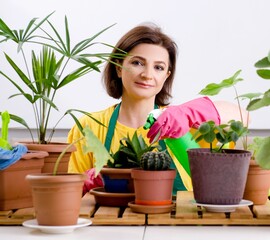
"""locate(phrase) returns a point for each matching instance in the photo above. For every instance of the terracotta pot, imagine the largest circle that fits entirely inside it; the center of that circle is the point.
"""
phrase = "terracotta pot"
(153, 187)
(258, 184)
(117, 180)
(15, 192)
(54, 149)
(57, 198)
(218, 178)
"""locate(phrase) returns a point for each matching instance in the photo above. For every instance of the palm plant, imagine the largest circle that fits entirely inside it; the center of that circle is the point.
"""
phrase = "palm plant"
(47, 74)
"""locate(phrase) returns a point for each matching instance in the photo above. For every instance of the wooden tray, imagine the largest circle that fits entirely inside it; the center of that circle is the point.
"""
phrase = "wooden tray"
(184, 213)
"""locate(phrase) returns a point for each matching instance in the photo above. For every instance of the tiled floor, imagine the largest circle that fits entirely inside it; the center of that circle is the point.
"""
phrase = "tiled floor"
(143, 233)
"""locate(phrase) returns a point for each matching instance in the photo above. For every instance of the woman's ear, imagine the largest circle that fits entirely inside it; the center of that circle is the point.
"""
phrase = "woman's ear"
(118, 71)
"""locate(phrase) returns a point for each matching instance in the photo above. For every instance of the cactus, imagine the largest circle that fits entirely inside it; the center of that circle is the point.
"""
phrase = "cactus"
(130, 151)
(155, 161)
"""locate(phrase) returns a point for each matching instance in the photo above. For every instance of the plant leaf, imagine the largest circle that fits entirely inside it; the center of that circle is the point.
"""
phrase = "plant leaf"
(214, 88)
(259, 102)
(264, 73)
(262, 155)
(94, 145)
(263, 63)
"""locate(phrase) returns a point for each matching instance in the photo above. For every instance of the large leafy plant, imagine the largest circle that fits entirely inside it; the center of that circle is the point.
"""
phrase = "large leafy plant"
(46, 73)
(262, 154)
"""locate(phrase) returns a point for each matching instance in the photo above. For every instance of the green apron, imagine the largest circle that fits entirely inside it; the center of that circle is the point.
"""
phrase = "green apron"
(178, 183)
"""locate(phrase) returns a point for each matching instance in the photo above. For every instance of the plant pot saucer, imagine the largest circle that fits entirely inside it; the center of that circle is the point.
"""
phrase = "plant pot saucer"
(82, 222)
(139, 208)
(104, 198)
(223, 208)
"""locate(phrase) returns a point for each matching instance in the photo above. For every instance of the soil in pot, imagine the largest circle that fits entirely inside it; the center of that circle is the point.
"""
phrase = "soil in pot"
(218, 178)
(57, 198)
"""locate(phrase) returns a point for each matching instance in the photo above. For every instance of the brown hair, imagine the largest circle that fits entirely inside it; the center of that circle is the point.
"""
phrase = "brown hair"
(141, 34)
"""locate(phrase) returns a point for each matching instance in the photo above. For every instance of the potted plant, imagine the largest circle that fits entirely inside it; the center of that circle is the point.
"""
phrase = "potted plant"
(153, 183)
(257, 185)
(15, 163)
(118, 187)
(260, 146)
(57, 196)
(219, 175)
(47, 75)
(124, 159)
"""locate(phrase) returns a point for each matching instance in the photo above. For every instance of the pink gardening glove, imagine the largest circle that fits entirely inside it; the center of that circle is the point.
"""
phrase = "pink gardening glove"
(92, 181)
(176, 121)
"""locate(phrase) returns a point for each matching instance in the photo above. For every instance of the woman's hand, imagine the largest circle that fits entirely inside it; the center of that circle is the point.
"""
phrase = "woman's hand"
(176, 121)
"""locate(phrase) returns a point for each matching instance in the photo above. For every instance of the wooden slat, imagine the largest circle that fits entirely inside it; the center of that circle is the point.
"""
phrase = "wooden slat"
(87, 206)
(262, 211)
(184, 208)
(184, 213)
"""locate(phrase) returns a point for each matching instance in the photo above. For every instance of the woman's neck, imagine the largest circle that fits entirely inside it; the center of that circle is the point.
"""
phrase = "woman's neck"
(134, 114)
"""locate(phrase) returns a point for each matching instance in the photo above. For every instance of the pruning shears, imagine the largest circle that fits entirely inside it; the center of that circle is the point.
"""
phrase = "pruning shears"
(4, 139)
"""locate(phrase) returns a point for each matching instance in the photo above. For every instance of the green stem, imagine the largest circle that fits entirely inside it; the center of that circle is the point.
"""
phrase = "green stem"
(63, 153)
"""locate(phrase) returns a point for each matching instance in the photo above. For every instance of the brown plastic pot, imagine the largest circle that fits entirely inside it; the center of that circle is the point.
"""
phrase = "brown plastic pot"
(57, 198)
(15, 192)
(153, 187)
(258, 184)
(218, 178)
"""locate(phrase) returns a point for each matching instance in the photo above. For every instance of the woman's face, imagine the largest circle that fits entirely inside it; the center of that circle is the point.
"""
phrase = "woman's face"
(144, 71)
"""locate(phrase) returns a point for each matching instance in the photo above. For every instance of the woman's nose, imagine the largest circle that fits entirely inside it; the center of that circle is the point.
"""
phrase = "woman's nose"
(147, 74)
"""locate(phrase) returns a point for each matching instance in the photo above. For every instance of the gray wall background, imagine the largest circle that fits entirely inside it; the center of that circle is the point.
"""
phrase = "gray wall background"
(215, 39)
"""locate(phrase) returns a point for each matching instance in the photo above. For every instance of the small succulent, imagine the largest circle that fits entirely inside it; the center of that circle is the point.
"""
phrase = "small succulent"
(130, 151)
(155, 161)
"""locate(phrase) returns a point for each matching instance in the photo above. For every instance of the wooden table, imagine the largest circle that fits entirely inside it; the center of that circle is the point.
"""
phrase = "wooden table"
(184, 213)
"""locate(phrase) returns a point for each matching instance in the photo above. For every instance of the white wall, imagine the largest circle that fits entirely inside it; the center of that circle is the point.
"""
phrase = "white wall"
(215, 39)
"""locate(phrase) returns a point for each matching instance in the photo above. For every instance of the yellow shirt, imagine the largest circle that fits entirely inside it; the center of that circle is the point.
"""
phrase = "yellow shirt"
(80, 162)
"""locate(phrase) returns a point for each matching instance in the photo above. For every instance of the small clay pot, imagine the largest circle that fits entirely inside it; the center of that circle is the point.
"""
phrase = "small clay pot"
(57, 198)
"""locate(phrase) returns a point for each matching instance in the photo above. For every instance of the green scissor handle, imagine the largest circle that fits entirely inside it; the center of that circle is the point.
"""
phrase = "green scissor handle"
(4, 140)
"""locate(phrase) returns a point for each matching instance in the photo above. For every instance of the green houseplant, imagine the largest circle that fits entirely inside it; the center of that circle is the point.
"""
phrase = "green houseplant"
(218, 174)
(262, 100)
(47, 73)
(117, 174)
(118, 187)
(57, 196)
(153, 183)
(258, 180)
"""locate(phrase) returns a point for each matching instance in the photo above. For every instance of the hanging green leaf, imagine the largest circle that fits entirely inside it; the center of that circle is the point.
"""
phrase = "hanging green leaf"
(94, 145)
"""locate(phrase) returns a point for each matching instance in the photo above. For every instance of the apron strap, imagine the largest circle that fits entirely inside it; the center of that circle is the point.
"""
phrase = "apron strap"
(111, 127)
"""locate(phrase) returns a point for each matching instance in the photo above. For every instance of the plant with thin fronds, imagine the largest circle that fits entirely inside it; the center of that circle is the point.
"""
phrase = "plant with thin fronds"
(46, 75)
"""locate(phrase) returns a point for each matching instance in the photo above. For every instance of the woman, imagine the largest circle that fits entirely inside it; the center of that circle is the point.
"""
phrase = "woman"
(143, 82)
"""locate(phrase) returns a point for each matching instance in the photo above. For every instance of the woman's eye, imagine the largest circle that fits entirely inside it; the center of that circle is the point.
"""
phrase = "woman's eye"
(159, 68)
(136, 62)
